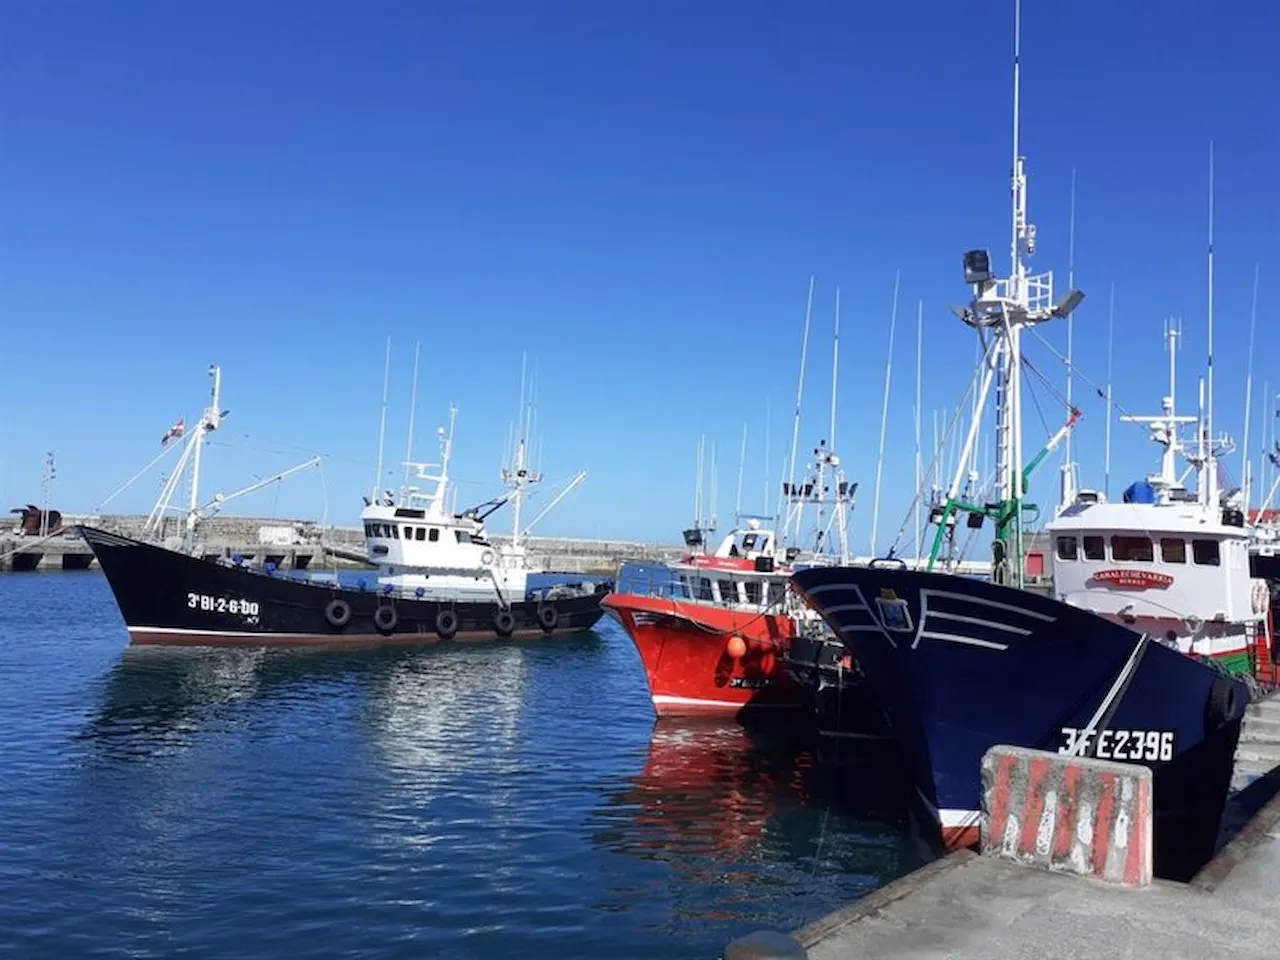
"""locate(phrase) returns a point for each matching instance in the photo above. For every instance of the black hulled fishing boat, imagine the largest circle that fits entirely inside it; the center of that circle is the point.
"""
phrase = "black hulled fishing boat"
(440, 577)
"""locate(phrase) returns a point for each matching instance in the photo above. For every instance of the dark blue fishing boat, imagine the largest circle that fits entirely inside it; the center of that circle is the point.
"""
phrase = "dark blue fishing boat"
(960, 664)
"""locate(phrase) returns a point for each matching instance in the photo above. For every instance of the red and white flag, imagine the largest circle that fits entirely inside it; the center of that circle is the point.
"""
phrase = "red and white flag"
(177, 430)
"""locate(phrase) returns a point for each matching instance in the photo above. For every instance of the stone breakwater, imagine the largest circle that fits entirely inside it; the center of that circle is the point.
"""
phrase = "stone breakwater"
(304, 544)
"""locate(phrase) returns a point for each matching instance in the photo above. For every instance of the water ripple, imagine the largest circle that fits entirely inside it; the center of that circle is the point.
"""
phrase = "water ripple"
(495, 801)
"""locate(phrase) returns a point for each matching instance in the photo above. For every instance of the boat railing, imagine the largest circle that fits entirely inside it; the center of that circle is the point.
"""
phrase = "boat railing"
(695, 586)
(367, 582)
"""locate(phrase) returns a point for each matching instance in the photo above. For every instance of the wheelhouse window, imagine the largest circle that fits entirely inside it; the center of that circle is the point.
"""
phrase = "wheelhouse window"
(420, 533)
(1068, 549)
(776, 593)
(395, 531)
(434, 534)
(462, 535)
(1206, 553)
(1132, 549)
(1173, 550)
(728, 591)
(703, 589)
(1095, 548)
(754, 591)
(408, 532)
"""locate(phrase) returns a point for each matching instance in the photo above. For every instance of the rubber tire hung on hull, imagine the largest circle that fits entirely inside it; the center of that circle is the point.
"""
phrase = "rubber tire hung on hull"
(338, 613)
(504, 624)
(446, 624)
(1222, 704)
(548, 617)
(385, 619)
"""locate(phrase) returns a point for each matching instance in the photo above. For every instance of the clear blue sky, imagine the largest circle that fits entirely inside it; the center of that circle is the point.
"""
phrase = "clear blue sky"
(635, 193)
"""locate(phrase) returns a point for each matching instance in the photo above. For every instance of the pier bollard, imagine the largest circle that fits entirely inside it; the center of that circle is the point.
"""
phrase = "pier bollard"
(1068, 814)
(765, 945)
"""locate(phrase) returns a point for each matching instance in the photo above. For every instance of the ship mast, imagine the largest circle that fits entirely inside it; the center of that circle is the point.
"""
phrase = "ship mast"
(1000, 310)
(1210, 447)
(1164, 428)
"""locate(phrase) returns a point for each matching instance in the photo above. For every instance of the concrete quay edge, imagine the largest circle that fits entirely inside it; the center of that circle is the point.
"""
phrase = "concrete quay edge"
(967, 905)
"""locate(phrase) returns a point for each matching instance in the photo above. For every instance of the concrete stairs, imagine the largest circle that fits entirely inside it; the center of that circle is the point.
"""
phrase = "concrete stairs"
(1258, 752)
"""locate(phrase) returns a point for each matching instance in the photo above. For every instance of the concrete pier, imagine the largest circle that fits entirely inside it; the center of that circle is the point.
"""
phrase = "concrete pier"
(988, 908)
(997, 906)
(69, 552)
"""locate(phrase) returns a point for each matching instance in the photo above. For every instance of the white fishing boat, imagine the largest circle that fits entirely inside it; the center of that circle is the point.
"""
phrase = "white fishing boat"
(1167, 561)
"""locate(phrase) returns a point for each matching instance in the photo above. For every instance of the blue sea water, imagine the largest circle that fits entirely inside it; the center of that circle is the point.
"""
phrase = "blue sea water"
(485, 801)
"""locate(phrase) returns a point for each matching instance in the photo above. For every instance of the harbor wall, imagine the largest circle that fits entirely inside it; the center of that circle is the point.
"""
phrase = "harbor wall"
(301, 544)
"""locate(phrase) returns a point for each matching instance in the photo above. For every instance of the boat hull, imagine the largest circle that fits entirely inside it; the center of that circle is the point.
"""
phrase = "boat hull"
(961, 665)
(685, 651)
(170, 598)
(847, 716)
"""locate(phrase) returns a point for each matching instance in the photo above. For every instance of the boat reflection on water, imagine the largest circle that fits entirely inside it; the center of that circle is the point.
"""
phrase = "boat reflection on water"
(740, 812)
(157, 700)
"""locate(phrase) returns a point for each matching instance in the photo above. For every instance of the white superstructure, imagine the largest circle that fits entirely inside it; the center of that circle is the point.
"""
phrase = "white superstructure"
(1167, 561)
(425, 549)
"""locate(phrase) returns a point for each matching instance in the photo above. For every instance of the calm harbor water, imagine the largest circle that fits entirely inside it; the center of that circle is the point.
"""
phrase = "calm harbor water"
(494, 801)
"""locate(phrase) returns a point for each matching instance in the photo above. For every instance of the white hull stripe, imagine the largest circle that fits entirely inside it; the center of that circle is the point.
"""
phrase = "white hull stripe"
(978, 621)
(668, 700)
(959, 819)
(951, 818)
(185, 631)
(827, 588)
(846, 607)
(958, 638)
(994, 604)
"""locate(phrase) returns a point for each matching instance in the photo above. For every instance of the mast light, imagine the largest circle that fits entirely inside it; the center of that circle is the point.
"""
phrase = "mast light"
(1068, 303)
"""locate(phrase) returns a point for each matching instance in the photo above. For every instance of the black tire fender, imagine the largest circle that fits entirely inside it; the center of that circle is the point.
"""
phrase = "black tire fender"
(338, 613)
(446, 624)
(504, 624)
(1223, 703)
(548, 617)
(385, 619)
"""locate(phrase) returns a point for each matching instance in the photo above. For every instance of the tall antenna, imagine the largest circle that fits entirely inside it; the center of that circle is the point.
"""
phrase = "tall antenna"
(46, 485)
(835, 374)
(742, 464)
(1210, 467)
(413, 409)
(1211, 478)
(1268, 436)
(697, 486)
(382, 426)
(1106, 460)
(884, 412)
(768, 430)
(1016, 271)
(715, 493)
(795, 428)
(919, 474)
(1071, 284)
(531, 411)
(1245, 464)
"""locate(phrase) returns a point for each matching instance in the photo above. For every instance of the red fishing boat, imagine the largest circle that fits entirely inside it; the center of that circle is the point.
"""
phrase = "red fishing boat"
(713, 630)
